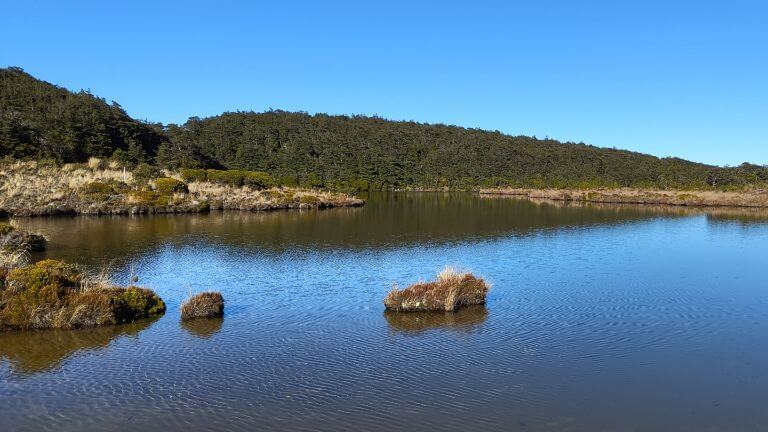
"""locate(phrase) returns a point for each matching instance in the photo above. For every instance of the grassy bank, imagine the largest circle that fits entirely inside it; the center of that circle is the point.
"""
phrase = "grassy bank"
(36, 189)
(692, 198)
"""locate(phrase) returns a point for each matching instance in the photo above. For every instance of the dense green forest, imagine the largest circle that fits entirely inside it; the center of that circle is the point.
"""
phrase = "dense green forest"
(41, 120)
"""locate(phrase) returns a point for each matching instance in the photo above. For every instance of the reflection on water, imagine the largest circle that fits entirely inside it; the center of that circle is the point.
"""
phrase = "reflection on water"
(203, 327)
(41, 350)
(464, 320)
(602, 318)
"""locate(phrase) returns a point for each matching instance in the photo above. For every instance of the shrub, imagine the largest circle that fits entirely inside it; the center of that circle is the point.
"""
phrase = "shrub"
(203, 305)
(308, 199)
(50, 294)
(150, 198)
(5, 228)
(289, 181)
(451, 291)
(98, 187)
(145, 172)
(169, 186)
(258, 180)
(228, 177)
(193, 175)
(314, 181)
(132, 303)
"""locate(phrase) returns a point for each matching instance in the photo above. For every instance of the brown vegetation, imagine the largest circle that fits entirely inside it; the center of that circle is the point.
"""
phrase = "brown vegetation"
(203, 305)
(699, 198)
(451, 291)
(34, 188)
(12, 238)
(53, 294)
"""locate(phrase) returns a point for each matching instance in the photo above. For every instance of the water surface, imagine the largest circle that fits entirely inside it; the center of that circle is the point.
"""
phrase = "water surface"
(600, 319)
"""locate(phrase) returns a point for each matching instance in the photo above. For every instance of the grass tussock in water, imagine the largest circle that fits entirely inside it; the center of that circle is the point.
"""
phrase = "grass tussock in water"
(450, 291)
(203, 305)
(13, 238)
(54, 294)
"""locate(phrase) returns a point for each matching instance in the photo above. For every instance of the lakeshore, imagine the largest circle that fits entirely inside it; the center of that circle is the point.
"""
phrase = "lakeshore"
(686, 198)
(38, 189)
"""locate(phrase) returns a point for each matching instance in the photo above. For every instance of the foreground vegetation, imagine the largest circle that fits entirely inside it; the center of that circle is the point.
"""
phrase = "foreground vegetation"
(691, 198)
(451, 291)
(35, 188)
(39, 120)
(54, 294)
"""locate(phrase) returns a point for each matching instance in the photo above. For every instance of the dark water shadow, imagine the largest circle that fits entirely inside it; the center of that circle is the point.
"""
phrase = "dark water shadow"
(464, 320)
(203, 328)
(38, 351)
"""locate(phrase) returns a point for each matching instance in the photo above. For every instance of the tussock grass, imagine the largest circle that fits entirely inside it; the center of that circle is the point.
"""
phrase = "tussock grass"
(13, 239)
(451, 290)
(203, 305)
(54, 294)
(32, 188)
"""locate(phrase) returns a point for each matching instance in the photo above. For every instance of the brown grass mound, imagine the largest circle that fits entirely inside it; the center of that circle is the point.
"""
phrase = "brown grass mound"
(53, 294)
(203, 305)
(451, 291)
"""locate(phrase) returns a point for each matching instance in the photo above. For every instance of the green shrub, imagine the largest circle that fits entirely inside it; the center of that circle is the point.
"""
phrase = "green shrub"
(289, 181)
(169, 186)
(150, 198)
(129, 304)
(98, 188)
(258, 180)
(228, 177)
(145, 172)
(308, 199)
(5, 228)
(314, 181)
(193, 175)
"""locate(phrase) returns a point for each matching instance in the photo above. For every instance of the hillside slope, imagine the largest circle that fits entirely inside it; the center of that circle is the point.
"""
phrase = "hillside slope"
(41, 120)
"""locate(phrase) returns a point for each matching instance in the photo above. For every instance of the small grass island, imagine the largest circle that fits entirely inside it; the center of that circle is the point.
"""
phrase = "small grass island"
(451, 291)
(203, 305)
(54, 294)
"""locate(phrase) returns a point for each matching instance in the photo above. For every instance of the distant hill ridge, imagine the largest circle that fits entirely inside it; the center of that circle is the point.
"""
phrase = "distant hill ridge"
(43, 121)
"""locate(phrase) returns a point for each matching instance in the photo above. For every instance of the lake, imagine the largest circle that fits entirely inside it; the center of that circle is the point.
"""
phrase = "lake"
(600, 318)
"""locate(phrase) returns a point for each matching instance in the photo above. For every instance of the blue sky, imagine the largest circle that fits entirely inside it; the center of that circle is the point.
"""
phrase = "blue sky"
(687, 79)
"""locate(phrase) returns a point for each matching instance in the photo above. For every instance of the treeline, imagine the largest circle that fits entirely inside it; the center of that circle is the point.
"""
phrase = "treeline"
(40, 120)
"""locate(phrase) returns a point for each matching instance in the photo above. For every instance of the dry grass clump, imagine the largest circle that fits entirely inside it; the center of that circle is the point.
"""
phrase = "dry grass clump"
(54, 294)
(203, 305)
(451, 291)
(15, 239)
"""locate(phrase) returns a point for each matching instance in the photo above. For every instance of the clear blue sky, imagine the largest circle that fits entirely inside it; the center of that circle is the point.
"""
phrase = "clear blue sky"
(686, 78)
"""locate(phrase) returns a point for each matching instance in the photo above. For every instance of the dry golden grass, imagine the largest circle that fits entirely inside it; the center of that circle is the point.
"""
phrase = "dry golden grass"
(451, 291)
(32, 188)
(203, 305)
(755, 198)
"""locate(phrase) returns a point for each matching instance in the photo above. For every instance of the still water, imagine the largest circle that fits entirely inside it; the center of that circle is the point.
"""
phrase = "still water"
(599, 319)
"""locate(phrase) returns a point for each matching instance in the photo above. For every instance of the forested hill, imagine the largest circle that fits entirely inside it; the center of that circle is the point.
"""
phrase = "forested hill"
(40, 120)
(408, 153)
